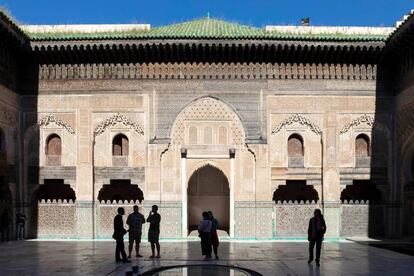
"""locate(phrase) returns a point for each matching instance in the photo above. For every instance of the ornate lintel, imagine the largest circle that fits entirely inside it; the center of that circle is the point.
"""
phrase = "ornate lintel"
(117, 118)
(49, 118)
(296, 118)
(369, 120)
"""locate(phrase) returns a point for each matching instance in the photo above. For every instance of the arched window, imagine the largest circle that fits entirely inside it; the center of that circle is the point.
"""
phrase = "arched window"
(295, 151)
(120, 145)
(53, 145)
(208, 135)
(362, 147)
(192, 135)
(295, 145)
(223, 135)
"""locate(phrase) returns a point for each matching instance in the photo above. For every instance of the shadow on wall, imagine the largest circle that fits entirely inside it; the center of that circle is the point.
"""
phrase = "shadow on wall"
(295, 190)
(120, 190)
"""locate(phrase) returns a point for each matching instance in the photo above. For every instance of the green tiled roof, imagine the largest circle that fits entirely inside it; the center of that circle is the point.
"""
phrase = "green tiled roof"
(207, 29)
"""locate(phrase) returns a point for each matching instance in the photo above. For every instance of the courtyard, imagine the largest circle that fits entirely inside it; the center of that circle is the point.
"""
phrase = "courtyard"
(35, 257)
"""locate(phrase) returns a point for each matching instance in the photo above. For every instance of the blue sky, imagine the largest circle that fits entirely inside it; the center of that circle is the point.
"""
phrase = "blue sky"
(251, 12)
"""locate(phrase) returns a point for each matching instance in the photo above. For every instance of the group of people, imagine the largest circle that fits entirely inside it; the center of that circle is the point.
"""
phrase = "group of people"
(6, 225)
(135, 221)
(207, 231)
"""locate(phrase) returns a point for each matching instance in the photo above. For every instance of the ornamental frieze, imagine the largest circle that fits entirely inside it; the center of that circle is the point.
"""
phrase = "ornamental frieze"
(209, 71)
(118, 118)
(296, 118)
(46, 120)
(364, 119)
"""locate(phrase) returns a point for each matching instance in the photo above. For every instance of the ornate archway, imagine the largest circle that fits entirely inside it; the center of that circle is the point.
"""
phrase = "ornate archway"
(208, 190)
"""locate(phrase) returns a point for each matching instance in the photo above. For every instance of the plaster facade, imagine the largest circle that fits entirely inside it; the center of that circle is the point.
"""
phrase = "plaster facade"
(208, 134)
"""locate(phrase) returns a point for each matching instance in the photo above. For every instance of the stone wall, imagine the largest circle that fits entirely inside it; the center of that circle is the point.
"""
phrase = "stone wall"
(362, 219)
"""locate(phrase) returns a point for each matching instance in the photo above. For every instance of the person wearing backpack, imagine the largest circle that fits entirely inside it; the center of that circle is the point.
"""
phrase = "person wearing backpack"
(316, 231)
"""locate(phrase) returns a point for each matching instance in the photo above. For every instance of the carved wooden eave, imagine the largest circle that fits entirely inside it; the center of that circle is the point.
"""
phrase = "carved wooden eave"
(163, 51)
(12, 36)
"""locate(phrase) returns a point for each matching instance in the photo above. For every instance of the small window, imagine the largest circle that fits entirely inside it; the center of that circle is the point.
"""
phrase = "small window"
(120, 145)
(295, 145)
(53, 145)
(362, 147)
(223, 135)
(208, 135)
(192, 135)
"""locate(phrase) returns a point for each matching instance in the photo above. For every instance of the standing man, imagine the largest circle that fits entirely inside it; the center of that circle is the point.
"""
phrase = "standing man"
(316, 230)
(5, 222)
(154, 230)
(20, 225)
(119, 232)
(135, 221)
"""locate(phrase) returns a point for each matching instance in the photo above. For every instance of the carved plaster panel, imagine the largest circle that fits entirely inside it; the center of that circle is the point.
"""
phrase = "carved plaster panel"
(112, 121)
(46, 120)
(296, 118)
(207, 109)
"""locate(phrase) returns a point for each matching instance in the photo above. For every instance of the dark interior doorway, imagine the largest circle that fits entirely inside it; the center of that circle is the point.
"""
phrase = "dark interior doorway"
(208, 190)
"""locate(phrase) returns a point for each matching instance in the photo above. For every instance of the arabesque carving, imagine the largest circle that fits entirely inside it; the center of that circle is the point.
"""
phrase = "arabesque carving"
(208, 109)
(296, 118)
(369, 120)
(46, 120)
(118, 118)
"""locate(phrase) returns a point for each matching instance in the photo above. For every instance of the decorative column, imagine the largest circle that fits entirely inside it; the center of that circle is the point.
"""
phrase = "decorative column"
(331, 186)
(232, 155)
(184, 200)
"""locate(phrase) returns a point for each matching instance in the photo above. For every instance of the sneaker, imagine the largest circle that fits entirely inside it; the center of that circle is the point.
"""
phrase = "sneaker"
(217, 257)
(309, 261)
(129, 257)
(139, 256)
(126, 261)
(158, 256)
(317, 263)
(152, 256)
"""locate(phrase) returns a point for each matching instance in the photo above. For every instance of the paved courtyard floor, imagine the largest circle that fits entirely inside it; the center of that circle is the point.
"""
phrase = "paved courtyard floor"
(268, 258)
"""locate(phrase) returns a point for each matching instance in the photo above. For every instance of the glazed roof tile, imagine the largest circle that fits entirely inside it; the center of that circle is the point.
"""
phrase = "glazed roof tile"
(204, 29)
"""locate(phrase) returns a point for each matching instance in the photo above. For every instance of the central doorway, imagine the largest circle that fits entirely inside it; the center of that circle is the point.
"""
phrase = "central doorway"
(208, 190)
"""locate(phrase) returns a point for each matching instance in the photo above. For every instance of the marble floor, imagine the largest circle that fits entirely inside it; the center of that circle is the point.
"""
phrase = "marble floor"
(268, 258)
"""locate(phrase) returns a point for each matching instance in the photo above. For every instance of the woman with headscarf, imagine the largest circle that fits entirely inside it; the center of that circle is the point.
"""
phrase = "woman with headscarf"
(204, 229)
(316, 231)
(214, 237)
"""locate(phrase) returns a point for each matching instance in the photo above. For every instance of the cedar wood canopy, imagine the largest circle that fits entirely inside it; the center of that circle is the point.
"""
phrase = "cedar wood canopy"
(204, 40)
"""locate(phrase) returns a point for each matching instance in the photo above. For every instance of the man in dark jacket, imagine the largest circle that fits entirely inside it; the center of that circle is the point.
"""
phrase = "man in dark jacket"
(316, 230)
(119, 232)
